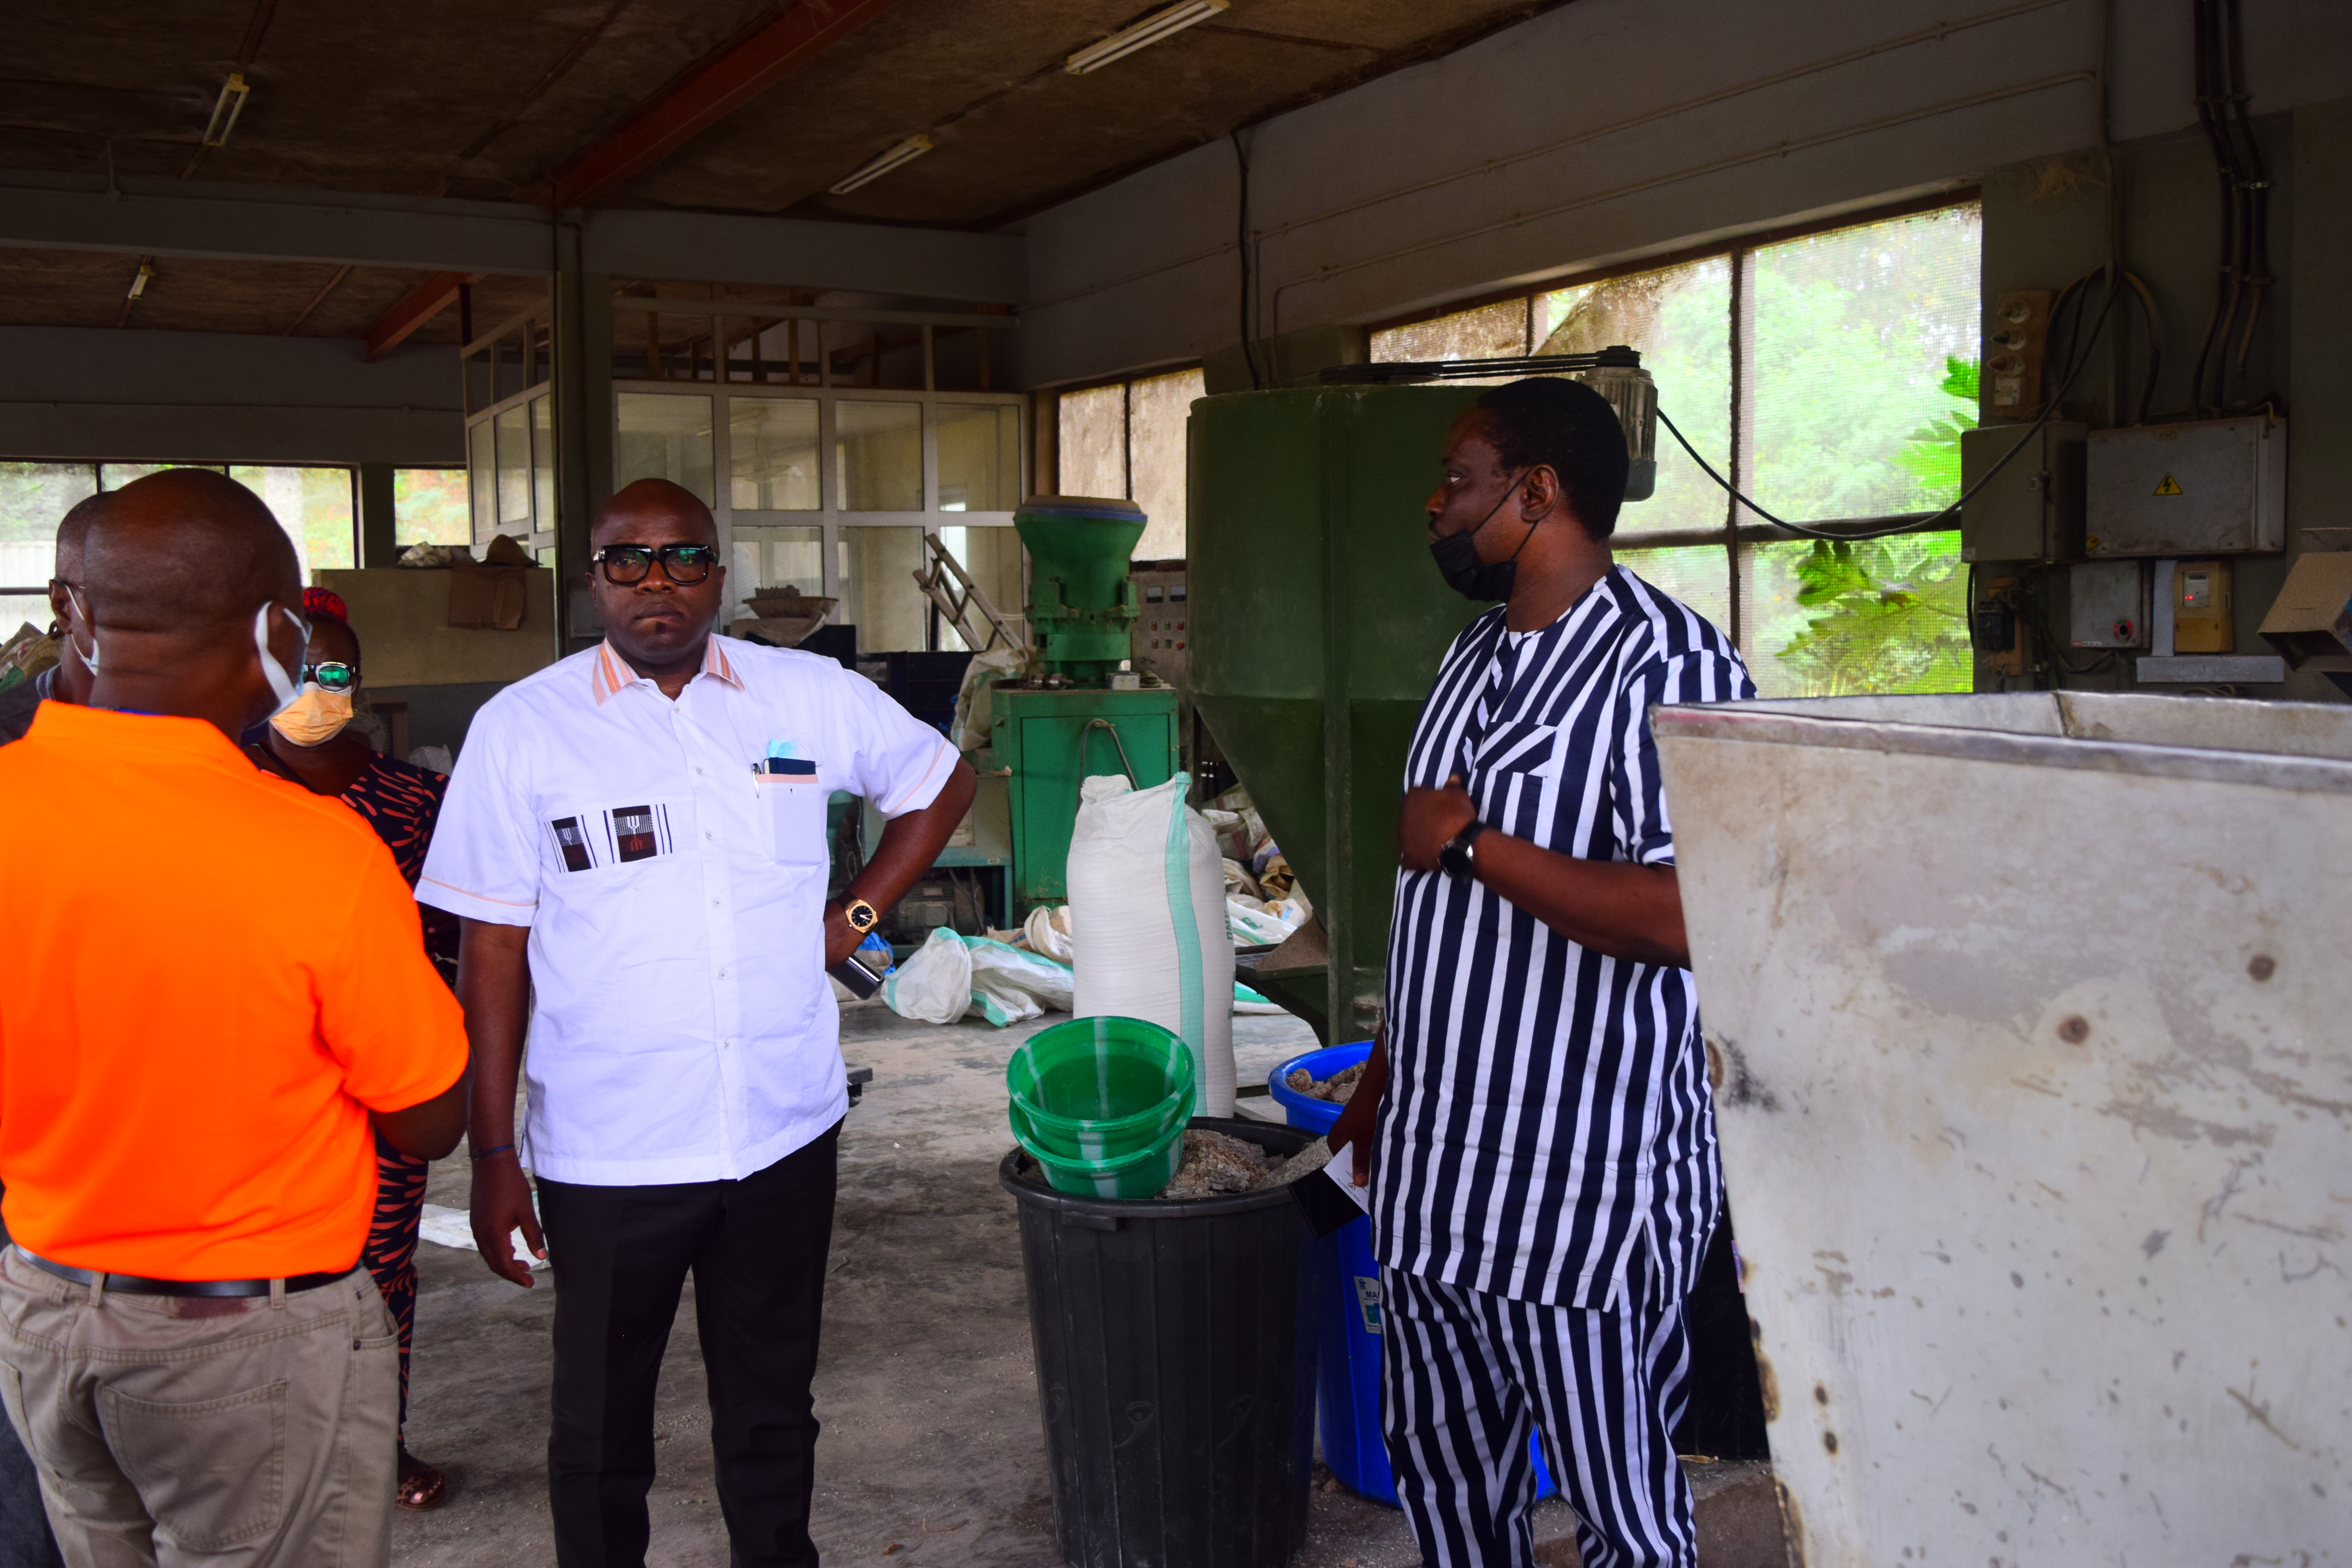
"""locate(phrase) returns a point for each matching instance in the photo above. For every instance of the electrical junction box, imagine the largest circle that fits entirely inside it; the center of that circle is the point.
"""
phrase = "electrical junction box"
(2106, 604)
(2200, 608)
(2215, 486)
(2033, 510)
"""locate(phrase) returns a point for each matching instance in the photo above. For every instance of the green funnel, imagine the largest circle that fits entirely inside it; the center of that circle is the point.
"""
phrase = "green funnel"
(1081, 601)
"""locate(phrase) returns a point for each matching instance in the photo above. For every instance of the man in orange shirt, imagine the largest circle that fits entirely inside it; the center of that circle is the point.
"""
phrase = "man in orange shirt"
(216, 985)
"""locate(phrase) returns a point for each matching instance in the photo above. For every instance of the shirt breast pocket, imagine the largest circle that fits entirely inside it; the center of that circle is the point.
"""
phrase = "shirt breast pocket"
(1520, 750)
(792, 805)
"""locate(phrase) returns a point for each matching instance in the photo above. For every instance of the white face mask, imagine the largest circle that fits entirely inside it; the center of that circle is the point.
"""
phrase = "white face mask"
(284, 687)
(90, 657)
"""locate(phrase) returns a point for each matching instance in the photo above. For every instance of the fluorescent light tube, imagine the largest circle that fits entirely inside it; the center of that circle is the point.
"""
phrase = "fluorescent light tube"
(881, 164)
(225, 109)
(1160, 24)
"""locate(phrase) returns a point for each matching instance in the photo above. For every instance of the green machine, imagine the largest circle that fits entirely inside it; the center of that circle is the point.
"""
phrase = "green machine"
(1084, 713)
(1318, 621)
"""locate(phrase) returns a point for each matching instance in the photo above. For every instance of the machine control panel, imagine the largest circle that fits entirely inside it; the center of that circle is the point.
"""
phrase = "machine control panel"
(1163, 633)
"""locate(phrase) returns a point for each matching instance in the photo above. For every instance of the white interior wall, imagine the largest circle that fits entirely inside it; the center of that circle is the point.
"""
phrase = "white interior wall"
(1608, 130)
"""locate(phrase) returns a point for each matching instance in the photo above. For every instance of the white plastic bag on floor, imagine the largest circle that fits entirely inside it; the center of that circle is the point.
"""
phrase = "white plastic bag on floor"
(952, 976)
(1148, 921)
(935, 986)
(1009, 985)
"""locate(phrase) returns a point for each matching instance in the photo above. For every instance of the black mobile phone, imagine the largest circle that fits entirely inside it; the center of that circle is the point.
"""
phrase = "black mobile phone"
(852, 972)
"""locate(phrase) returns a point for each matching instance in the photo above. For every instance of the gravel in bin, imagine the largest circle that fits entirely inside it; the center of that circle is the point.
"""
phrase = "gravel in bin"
(1216, 1164)
(1335, 1089)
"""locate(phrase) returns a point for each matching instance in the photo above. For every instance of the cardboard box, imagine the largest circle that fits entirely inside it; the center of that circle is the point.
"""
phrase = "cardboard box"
(2310, 620)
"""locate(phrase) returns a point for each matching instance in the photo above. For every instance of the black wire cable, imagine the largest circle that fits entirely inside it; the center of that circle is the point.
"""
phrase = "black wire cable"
(1917, 525)
(2254, 180)
(1241, 228)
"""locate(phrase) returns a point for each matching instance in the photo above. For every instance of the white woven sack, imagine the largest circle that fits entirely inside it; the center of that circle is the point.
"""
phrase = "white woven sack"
(1148, 918)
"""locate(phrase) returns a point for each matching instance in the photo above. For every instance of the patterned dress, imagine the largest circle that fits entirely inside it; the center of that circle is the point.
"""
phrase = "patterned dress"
(401, 802)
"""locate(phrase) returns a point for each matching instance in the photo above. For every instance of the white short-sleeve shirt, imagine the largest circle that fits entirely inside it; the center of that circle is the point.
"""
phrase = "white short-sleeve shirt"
(670, 858)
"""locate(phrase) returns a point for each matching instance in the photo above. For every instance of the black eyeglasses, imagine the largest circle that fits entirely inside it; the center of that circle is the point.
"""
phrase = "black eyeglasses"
(684, 565)
(332, 675)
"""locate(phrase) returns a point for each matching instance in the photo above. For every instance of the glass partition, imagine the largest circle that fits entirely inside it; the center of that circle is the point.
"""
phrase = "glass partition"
(663, 436)
(877, 567)
(769, 560)
(979, 456)
(879, 449)
(514, 470)
(994, 557)
(771, 448)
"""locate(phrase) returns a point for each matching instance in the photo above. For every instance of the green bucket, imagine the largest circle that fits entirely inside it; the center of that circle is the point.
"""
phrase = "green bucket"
(1099, 1089)
(1141, 1174)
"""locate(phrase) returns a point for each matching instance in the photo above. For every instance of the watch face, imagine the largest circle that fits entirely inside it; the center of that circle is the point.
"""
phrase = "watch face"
(861, 916)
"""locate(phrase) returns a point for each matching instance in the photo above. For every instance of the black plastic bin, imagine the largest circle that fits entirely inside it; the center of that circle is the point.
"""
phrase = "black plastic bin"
(1175, 1367)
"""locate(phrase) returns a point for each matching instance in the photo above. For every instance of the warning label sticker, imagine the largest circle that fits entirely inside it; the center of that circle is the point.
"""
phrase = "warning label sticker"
(2170, 486)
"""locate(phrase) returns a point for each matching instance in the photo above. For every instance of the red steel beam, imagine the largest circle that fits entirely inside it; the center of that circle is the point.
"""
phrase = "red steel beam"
(415, 308)
(704, 96)
(708, 94)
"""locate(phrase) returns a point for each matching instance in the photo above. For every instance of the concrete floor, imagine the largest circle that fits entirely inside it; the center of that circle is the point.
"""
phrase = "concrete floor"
(932, 1449)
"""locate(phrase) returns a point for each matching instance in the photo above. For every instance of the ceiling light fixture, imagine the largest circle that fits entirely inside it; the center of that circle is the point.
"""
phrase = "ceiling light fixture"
(881, 164)
(139, 282)
(225, 108)
(1160, 25)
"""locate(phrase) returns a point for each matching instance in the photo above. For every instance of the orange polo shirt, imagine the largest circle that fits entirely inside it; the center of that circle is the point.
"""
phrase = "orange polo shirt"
(208, 977)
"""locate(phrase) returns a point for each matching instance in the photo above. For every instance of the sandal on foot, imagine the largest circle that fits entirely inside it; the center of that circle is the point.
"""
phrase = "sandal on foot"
(420, 1486)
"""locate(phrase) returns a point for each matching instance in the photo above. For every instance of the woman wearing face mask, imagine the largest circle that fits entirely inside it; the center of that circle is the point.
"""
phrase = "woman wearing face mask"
(311, 742)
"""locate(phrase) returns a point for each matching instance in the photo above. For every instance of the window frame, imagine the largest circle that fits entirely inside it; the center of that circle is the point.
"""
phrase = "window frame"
(1736, 530)
(98, 466)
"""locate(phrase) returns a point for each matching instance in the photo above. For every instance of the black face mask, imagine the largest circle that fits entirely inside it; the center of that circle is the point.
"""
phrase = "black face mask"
(1456, 555)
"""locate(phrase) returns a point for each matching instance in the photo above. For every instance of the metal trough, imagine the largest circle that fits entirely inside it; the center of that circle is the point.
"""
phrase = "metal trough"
(2028, 1019)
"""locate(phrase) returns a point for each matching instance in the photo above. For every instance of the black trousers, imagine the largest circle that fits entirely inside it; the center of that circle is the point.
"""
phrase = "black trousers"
(756, 1249)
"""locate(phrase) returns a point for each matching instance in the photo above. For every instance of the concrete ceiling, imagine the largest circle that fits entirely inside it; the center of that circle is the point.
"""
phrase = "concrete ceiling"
(457, 99)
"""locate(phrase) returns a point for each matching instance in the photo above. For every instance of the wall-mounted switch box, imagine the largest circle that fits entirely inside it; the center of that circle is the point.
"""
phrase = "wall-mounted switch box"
(2033, 510)
(2215, 486)
(2106, 604)
(2013, 345)
(2200, 608)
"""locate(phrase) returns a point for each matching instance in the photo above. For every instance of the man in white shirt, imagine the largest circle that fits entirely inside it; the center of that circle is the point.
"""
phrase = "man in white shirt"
(634, 840)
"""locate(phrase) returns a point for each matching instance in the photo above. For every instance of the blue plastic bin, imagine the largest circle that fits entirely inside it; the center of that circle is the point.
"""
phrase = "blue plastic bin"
(1348, 1311)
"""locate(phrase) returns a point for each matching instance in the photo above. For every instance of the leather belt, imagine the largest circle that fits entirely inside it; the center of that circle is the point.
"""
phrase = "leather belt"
(136, 1285)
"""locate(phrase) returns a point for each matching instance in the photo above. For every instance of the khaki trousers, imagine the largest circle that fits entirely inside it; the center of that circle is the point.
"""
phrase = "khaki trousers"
(233, 1432)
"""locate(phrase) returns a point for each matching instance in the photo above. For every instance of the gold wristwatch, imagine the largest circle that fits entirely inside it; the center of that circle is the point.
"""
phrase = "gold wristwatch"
(862, 916)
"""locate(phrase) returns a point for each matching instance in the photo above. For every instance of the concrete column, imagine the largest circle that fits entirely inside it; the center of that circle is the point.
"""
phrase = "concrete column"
(584, 438)
(378, 541)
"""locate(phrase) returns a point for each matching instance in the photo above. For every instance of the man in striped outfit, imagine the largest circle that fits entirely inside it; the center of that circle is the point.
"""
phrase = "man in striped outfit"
(1536, 1123)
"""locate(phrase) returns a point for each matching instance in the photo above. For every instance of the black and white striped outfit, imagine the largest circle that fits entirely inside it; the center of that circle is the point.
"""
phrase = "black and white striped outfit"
(1547, 1177)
